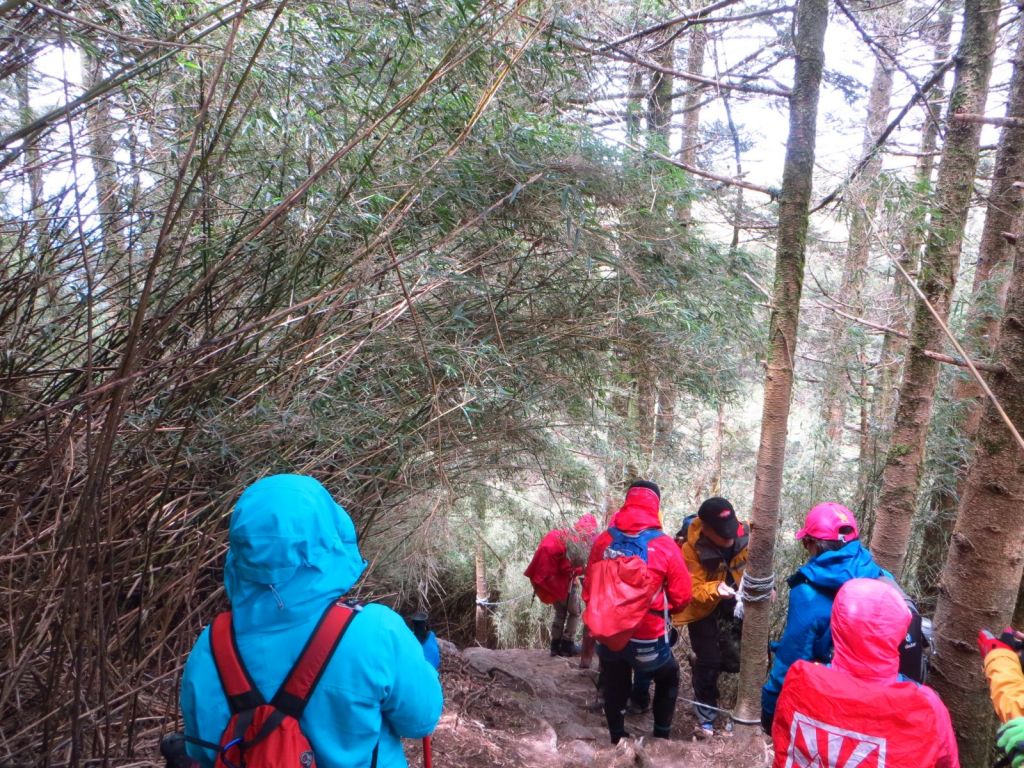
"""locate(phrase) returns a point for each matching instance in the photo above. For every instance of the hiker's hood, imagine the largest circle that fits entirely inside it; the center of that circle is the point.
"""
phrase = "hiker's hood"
(869, 621)
(291, 549)
(586, 525)
(831, 570)
(639, 512)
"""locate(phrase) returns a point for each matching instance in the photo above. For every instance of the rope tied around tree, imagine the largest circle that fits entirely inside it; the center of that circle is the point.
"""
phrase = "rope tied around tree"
(756, 589)
(489, 604)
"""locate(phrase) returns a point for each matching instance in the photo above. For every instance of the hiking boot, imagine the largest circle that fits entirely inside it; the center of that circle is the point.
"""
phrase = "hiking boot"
(568, 648)
(637, 708)
(556, 647)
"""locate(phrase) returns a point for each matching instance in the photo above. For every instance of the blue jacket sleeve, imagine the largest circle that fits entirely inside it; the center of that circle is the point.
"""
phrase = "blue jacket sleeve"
(806, 622)
(195, 705)
(431, 651)
(412, 706)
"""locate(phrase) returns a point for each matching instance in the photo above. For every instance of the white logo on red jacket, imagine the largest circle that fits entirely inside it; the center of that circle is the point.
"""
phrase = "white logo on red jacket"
(814, 744)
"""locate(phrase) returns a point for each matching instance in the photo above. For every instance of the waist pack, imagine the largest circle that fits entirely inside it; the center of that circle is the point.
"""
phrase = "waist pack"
(263, 734)
(621, 588)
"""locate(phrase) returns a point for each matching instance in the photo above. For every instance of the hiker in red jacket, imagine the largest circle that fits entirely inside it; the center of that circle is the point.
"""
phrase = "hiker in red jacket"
(635, 545)
(554, 572)
(859, 710)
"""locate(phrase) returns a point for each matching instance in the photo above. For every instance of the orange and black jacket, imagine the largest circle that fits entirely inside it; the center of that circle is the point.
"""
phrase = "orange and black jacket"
(707, 568)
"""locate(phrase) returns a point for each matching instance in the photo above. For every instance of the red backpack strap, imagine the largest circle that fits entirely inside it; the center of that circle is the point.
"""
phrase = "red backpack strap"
(238, 685)
(294, 693)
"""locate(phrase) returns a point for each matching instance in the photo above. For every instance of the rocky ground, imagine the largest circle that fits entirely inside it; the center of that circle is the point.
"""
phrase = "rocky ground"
(521, 707)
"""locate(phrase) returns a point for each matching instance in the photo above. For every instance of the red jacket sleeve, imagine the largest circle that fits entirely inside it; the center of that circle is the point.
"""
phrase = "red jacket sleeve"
(677, 578)
(596, 553)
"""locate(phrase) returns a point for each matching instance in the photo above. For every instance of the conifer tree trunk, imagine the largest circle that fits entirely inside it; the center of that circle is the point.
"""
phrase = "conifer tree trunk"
(901, 477)
(988, 293)
(794, 203)
(715, 485)
(634, 104)
(994, 251)
(645, 416)
(691, 112)
(893, 346)
(982, 576)
(659, 97)
(862, 203)
(666, 418)
(101, 144)
(482, 632)
(656, 391)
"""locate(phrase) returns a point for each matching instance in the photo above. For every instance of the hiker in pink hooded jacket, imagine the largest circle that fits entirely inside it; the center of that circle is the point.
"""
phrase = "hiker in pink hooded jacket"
(554, 572)
(859, 709)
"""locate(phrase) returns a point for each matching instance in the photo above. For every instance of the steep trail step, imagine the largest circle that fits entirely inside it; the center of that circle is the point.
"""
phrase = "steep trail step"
(522, 707)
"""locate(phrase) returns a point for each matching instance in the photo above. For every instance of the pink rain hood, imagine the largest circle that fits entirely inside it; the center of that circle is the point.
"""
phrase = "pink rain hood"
(869, 621)
(859, 712)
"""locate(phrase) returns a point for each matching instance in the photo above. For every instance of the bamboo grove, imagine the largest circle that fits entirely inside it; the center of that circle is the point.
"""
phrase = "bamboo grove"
(473, 264)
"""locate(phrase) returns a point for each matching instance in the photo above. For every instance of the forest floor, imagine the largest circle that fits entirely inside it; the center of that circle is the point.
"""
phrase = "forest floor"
(521, 707)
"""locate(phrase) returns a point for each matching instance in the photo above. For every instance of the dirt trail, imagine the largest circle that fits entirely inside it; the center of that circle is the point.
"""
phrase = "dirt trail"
(521, 707)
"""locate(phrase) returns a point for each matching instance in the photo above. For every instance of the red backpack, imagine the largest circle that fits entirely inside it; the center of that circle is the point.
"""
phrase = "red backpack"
(621, 588)
(268, 735)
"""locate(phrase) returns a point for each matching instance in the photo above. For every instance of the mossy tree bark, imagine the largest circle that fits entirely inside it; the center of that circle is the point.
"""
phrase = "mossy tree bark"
(883, 404)
(982, 576)
(691, 111)
(902, 475)
(794, 204)
(988, 294)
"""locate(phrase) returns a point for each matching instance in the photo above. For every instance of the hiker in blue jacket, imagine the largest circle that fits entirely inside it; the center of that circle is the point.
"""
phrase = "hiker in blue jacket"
(829, 537)
(421, 628)
(292, 550)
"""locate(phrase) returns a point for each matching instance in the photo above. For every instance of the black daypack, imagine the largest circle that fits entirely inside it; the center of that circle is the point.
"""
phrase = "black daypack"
(915, 650)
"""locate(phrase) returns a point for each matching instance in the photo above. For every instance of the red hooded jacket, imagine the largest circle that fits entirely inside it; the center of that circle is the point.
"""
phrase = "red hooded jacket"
(857, 711)
(639, 513)
(551, 570)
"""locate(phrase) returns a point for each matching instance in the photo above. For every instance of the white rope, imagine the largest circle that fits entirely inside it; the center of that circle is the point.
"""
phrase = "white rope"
(756, 589)
(485, 603)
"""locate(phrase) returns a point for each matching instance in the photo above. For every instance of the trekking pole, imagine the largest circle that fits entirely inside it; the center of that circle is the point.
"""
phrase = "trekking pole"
(428, 757)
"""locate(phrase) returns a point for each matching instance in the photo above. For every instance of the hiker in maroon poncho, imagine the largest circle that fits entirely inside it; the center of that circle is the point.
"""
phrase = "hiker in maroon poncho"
(554, 572)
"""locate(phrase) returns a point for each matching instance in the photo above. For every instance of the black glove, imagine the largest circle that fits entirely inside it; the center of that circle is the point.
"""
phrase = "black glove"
(172, 747)
(1013, 639)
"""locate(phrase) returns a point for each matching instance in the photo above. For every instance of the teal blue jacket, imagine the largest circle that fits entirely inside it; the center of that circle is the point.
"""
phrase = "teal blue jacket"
(292, 550)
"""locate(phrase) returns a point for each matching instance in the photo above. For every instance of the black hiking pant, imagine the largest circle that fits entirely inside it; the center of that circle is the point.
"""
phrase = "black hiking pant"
(715, 640)
(617, 674)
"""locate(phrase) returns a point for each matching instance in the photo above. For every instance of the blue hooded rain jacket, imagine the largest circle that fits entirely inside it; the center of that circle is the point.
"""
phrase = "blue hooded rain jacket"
(293, 550)
(808, 632)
